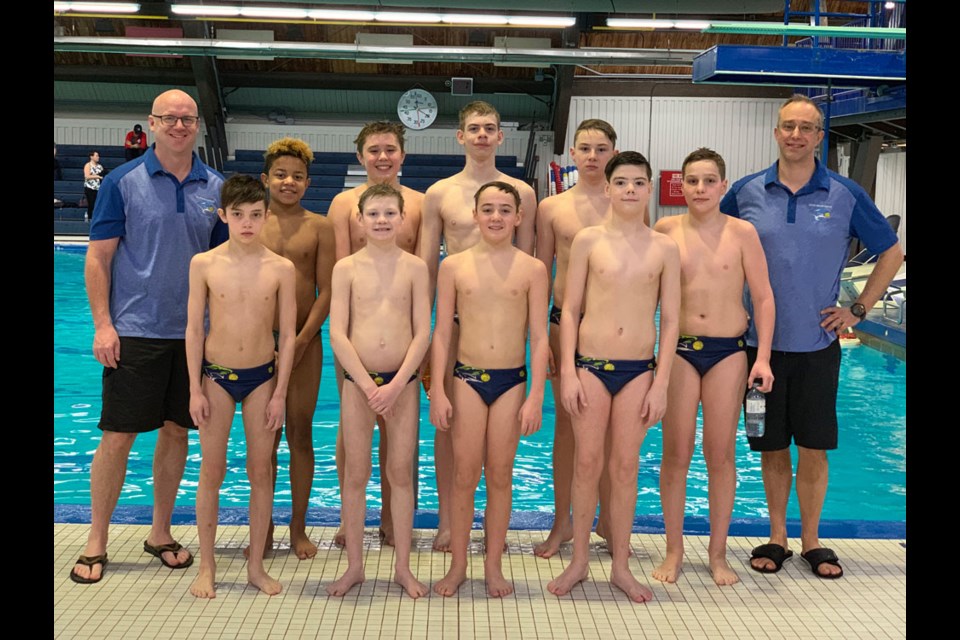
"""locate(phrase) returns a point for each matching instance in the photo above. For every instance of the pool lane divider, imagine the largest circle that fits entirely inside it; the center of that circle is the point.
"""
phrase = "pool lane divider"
(524, 520)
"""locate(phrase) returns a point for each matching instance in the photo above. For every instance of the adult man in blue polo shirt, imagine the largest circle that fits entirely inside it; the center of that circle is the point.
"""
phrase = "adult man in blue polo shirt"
(152, 215)
(806, 216)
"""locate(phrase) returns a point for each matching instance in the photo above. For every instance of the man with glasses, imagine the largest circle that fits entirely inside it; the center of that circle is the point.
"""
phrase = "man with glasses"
(152, 215)
(806, 216)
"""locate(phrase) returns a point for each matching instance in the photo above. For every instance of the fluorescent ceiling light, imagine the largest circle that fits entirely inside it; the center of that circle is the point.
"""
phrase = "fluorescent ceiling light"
(204, 10)
(638, 23)
(97, 7)
(399, 16)
(337, 15)
(542, 21)
(475, 18)
(271, 12)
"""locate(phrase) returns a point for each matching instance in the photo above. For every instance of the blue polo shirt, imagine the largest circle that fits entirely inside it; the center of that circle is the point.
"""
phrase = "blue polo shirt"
(162, 223)
(806, 238)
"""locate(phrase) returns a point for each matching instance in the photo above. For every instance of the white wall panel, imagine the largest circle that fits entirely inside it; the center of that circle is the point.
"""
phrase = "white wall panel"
(892, 189)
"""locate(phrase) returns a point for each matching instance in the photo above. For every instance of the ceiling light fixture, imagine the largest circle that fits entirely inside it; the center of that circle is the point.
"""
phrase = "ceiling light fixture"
(271, 12)
(204, 10)
(656, 23)
(474, 18)
(96, 7)
(402, 16)
(338, 15)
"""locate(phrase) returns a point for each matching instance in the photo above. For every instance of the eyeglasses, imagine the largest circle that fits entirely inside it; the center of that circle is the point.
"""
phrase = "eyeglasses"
(806, 128)
(169, 121)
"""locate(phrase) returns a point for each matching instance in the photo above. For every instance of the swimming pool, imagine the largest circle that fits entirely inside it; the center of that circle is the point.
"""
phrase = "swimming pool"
(867, 472)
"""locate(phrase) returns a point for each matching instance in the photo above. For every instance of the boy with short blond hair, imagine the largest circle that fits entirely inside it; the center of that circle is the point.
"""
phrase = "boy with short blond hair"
(498, 291)
(379, 331)
(245, 286)
(619, 272)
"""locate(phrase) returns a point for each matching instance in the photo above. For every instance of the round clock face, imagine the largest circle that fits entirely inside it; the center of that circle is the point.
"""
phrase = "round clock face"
(417, 109)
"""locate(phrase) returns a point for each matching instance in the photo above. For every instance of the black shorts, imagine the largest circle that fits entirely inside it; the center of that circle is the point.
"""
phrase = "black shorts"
(149, 386)
(803, 402)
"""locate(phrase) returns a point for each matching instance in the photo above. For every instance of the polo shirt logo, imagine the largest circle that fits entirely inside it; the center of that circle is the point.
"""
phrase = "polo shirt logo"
(207, 205)
(820, 211)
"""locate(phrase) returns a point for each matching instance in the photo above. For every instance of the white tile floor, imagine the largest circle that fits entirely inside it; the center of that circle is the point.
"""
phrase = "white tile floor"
(140, 599)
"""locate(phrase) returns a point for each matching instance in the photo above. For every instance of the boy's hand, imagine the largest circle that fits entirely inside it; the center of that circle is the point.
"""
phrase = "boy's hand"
(275, 410)
(530, 416)
(199, 408)
(761, 370)
(372, 394)
(572, 394)
(299, 348)
(106, 346)
(654, 406)
(387, 397)
(552, 370)
(441, 411)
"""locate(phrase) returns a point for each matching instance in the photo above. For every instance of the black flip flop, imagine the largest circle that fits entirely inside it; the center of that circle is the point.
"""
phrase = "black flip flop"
(89, 561)
(773, 552)
(823, 555)
(172, 547)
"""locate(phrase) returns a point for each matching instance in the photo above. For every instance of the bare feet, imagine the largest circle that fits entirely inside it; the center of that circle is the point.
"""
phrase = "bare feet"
(497, 585)
(414, 588)
(572, 576)
(300, 544)
(624, 580)
(339, 538)
(386, 537)
(669, 569)
(723, 573)
(203, 585)
(556, 537)
(448, 585)
(264, 582)
(353, 576)
(442, 541)
(267, 546)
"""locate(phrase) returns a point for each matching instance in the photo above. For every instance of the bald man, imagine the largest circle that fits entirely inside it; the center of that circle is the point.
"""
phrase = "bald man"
(152, 215)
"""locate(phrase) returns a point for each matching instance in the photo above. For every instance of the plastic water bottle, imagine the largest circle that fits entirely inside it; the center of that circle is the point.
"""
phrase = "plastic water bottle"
(755, 413)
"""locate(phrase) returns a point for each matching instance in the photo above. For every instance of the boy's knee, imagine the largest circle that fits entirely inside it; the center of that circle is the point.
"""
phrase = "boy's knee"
(589, 465)
(623, 471)
(213, 472)
(499, 479)
(399, 475)
(466, 478)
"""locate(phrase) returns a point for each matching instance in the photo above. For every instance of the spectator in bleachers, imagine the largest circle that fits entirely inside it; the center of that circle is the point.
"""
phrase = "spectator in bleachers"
(57, 170)
(135, 144)
(92, 175)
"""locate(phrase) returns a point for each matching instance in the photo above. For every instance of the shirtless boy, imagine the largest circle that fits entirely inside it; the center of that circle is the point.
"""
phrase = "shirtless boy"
(447, 209)
(379, 331)
(717, 253)
(380, 151)
(306, 239)
(245, 286)
(498, 291)
(619, 271)
(559, 218)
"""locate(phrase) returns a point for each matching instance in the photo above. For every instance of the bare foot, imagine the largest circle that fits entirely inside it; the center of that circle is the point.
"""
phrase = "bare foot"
(624, 580)
(572, 576)
(556, 537)
(267, 546)
(448, 585)
(723, 573)
(669, 569)
(300, 544)
(264, 582)
(442, 540)
(339, 538)
(497, 585)
(203, 585)
(386, 537)
(352, 576)
(414, 588)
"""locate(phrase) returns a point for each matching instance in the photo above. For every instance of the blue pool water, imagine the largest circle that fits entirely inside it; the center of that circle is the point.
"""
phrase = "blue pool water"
(867, 472)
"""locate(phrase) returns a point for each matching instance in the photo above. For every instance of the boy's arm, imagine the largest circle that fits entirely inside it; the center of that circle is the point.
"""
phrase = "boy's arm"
(97, 275)
(431, 228)
(764, 307)
(440, 408)
(572, 394)
(287, 306)
(655, 403)
(348, 357)
(339, 217)
(321, 304)
(546, 242)
(531, 413)
(194, 338)
(526, 232)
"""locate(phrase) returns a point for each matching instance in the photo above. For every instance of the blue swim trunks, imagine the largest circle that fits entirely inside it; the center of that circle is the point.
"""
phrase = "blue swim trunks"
(490, 384)
(381, 379)
(555, 315)
(615, 374)
(703, 353)
(238, 382)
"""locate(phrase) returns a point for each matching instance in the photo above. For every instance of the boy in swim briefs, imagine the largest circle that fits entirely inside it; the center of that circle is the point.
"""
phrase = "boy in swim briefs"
(244, 286)
(379, 331)
(618, 273)
(719, 253)
(498, 291)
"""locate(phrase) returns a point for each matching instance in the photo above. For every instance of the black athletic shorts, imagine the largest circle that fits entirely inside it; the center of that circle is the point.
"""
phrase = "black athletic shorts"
(149, 386)
(803, 402)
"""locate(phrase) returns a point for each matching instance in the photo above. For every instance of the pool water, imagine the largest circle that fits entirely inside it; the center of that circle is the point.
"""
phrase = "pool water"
(867, 472)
